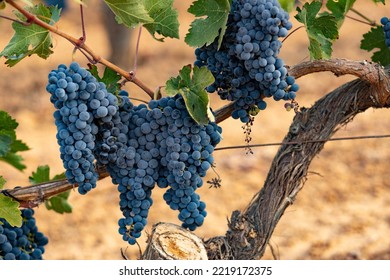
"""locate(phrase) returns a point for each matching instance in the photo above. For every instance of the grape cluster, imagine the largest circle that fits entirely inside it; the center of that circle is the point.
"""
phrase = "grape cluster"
(22, 243)
(385, 21)
(186, 151)
(81, 102)
(165, 147)
(140, 146)
(246, 67)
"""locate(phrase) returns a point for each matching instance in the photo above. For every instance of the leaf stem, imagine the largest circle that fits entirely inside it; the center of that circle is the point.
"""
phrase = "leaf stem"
(15, 20)
(369, 21)
(83, 23)
(292, 32)
(136, 50)
(79, 44)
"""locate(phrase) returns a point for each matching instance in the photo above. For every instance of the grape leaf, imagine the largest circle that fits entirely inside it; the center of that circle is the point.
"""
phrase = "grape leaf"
(375, 39)
(339, 9)
(287, 5)
(41, 175)
(5, 143)
(58, 203)
(2, 182)
(9, 208)
(110, 78)
(321, 29)
(9, 145)
(193, 91)
(165, 18)
(14, 160)
(129, 12)
(203, 31)
(31, 39)
(6, 122)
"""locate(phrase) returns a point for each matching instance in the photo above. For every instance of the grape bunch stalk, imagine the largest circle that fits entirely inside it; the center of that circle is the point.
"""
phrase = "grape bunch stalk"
(247, 67)
(141, 146)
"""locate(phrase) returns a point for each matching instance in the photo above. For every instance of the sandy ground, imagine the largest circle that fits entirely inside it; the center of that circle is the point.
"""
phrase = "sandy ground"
(343, 211)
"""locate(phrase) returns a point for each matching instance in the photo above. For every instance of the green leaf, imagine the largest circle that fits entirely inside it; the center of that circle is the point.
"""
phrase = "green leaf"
(58, 203)
(9, 145)
(321, 29)
(129, 12)
(165, 18)
(110, 78)
(31, 39)
(41, 175)
(204, 30)
(287, 5)
(14, 160)
(9, 210)
(59, 176)
(193, 91)
(19, 146)
(6, 122)
(339, 9)
(382, 1)
(5, 143)
(2, 182)
(375, 39)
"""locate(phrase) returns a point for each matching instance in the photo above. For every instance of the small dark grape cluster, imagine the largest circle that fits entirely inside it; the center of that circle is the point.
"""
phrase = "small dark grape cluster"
(22, 243)
(141, 146)
(246, 67)
(385, 21)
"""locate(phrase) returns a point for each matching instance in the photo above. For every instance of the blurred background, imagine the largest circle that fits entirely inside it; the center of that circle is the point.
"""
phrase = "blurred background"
(343, 211)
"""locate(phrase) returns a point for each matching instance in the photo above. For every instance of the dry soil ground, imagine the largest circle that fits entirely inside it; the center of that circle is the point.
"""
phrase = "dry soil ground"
(342, 212)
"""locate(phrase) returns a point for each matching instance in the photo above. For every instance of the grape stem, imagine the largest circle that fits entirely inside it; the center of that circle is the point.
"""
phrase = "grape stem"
(292, 32)
(15, 20)
(361, 21)
(369, 21)
(80, 44)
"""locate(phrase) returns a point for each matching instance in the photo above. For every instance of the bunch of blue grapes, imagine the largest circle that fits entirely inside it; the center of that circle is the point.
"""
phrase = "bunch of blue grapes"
(186, 154)
(22, 243)
(81, 102)
(140, 146)
(246, 67)
(161, 138)
(136, 169)
(385, 21)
